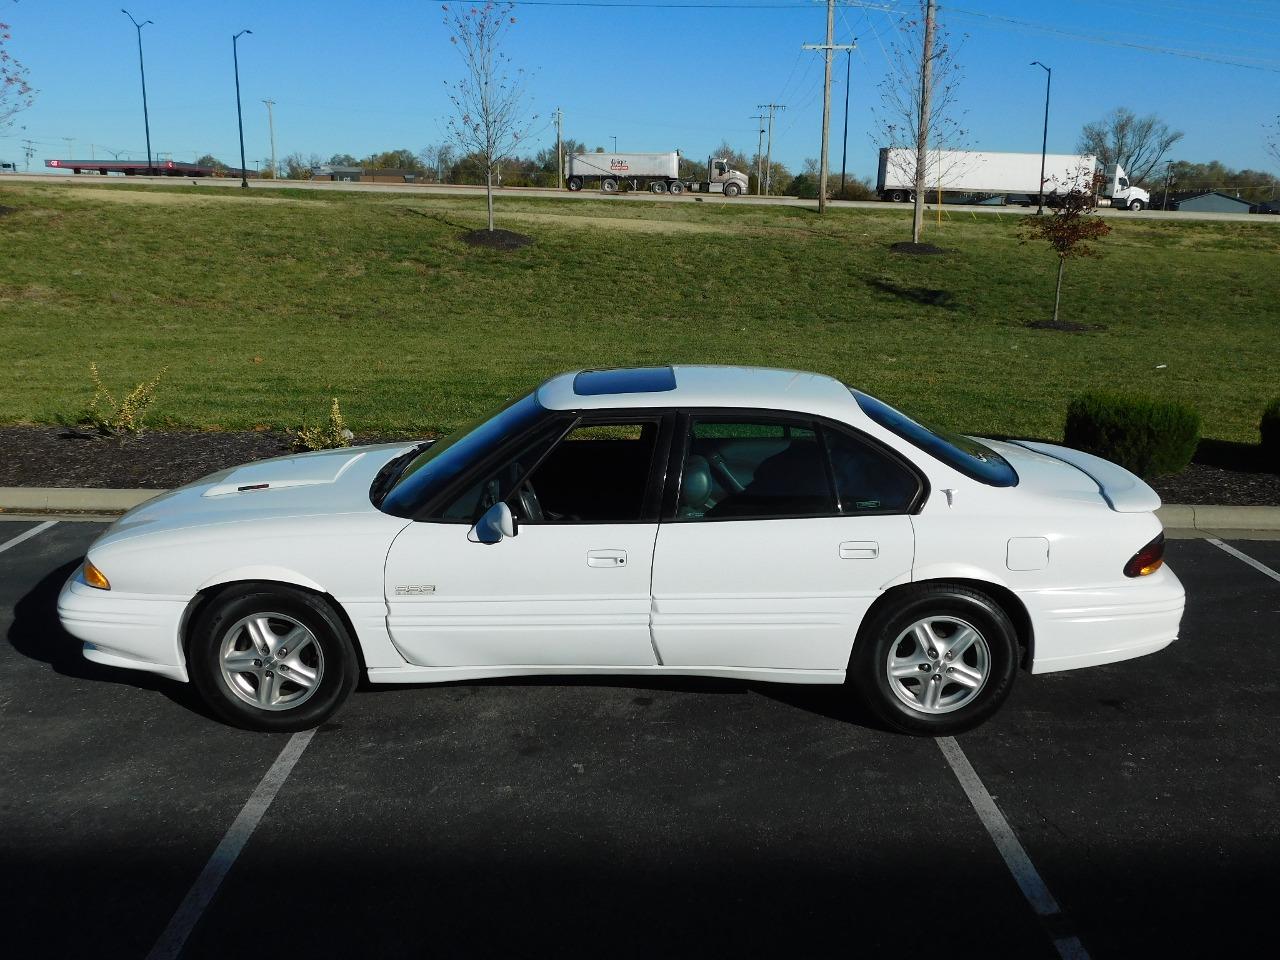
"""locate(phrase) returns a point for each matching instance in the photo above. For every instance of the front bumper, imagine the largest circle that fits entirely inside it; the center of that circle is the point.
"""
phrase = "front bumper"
(125, 630)
(1090, 627)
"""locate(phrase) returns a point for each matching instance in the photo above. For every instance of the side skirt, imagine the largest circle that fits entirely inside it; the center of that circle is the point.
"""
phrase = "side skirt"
(412, 674)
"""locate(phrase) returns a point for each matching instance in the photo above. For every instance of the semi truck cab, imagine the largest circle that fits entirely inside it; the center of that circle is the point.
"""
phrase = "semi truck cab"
(722, 178)
(1122, 193)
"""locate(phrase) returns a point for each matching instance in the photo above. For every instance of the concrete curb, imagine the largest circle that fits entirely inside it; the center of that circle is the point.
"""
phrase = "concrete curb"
(52, 499)
(1175, 516)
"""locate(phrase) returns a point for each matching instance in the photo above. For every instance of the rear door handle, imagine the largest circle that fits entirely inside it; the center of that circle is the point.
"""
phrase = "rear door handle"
(859, 550)
(606, 558)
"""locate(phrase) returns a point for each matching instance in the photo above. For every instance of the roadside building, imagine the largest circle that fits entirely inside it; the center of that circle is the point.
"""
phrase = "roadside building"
(1266, 206)
(363, 175)
(329, 171)
(1213, 202)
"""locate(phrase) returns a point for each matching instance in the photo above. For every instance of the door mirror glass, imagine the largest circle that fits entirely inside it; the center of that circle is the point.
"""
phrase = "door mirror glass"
(496, 523)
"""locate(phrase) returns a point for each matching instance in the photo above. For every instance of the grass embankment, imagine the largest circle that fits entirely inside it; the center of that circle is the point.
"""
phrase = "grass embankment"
(262, 306)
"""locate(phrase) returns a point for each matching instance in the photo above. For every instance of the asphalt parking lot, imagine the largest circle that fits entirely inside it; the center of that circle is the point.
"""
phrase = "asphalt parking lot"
(685, 818)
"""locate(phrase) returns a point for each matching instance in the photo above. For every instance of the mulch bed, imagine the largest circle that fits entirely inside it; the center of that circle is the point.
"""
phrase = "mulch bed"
(157, 460)
(919, 249)
(496, 239)
(57, 457)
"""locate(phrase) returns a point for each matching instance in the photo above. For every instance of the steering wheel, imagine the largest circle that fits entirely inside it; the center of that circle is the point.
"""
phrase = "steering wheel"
(528, 500)
(723, 472)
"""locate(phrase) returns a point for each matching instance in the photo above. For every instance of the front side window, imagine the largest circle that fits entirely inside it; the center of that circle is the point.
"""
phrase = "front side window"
(594, 473)
(739, 469)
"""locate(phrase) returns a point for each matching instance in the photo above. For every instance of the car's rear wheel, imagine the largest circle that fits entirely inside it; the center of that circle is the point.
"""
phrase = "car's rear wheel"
(939, 661)
(272, 658)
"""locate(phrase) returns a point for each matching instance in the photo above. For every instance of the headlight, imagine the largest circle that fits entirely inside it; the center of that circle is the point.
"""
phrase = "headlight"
(94, 577)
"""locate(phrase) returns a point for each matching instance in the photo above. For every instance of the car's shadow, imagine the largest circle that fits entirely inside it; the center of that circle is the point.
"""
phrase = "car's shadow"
(37, 634)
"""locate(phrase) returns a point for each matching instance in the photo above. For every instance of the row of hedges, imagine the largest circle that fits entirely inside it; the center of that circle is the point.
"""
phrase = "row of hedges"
(1150, 437)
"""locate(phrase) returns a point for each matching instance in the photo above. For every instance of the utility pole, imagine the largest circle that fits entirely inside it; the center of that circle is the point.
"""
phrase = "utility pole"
(827, 49)
(1044, 143)
(922, 125)
(29, 148)
(235, 57)
(559, 149)
(271, 124)
(1168, 178)
(768, 153)
(146, 120)
(759, 119)
(844, 152)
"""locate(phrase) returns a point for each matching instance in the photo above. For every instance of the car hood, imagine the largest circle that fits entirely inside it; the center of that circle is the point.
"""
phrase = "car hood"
(309, 484)
(1049, 470)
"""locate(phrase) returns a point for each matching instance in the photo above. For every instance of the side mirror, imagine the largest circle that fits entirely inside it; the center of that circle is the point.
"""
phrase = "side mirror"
(496, 523)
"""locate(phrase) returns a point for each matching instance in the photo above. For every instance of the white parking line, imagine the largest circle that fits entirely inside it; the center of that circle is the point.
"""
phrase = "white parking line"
(33, 532)
(1015, 857)
(1262, 568)
(215, 871)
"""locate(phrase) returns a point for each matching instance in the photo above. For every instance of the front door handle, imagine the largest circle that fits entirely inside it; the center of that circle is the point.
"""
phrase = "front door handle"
(606, 558)
(859, 550)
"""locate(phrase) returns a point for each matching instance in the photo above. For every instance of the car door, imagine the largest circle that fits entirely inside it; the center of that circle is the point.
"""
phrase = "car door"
(781, 533)
(570, 588)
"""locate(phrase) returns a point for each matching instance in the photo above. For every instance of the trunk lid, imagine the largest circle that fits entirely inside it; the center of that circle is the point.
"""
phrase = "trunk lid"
(1053, 470)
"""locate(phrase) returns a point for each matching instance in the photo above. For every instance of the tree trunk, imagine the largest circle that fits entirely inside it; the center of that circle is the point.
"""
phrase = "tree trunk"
(488, 195)
(1057, 293)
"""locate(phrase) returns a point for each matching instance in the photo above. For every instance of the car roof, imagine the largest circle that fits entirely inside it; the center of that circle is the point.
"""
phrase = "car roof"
(698, 386)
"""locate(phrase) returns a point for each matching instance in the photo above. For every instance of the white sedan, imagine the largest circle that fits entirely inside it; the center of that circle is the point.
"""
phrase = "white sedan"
(715, 521)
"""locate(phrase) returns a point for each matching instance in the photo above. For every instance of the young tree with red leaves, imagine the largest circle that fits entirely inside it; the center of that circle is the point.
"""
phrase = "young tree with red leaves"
(1070, 225)
(490, 101)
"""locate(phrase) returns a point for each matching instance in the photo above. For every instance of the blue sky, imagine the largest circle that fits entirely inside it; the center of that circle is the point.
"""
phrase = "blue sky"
(358, 77)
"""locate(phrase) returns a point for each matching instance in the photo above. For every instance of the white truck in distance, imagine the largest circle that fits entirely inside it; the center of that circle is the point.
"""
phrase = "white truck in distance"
(655, 172)
(1015, 177)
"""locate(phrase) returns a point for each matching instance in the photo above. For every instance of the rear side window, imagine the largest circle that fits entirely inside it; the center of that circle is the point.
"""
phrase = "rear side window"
(869, 480)
(754, 470)
(972, 458)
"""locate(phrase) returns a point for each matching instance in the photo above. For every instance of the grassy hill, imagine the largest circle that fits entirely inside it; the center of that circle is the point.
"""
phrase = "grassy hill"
(262, 306)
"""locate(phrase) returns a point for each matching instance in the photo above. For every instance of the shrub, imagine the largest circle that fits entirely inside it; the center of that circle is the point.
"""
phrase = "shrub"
(1148, 437)
(328, 436)
(1269, 427)
(125, 418)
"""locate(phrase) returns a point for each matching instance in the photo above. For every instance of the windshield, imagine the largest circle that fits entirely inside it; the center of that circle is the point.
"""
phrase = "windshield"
(445, 460)
(973, 459)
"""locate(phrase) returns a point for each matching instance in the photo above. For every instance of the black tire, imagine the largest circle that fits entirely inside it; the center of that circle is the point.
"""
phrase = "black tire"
(574, 184)
(897, 196)
(339, 666)
(882, 635)
(676, 187)
(1136, 205)
(609, 185)
(658, 186)
(732, 189)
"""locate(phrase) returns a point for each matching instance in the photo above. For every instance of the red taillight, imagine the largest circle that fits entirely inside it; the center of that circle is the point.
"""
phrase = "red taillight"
(1147, 560)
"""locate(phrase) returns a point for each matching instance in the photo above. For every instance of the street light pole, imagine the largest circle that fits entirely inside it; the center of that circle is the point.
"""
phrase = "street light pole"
(615, 144)
(1044, 143)
(235, 56)
(146, 120)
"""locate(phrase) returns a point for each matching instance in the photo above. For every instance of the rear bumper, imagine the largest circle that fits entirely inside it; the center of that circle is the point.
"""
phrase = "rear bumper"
(121, 630)
(1090, 627)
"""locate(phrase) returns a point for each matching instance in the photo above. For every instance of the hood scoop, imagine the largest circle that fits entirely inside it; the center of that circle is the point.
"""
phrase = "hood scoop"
(305, 470)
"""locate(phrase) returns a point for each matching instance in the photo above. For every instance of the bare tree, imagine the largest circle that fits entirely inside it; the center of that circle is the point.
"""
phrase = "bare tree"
(489, 102)
(438, 159)
(923, 68)
(16, 93)
(1070, 225)
(1273, 141)
(1122, 137)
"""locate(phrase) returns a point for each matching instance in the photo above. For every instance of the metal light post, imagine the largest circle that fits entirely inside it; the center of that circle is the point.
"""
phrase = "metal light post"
(146, 120)
(235, 56)
(1044, 144)
(615, 144)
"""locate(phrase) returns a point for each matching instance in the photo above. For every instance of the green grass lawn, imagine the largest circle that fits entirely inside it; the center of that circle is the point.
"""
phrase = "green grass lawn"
(263, 306)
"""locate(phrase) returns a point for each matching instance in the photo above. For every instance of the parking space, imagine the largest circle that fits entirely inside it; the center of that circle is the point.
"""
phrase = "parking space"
(680, 818)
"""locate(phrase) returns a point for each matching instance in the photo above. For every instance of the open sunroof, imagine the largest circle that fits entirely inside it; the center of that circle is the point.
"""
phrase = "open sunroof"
(590, 383)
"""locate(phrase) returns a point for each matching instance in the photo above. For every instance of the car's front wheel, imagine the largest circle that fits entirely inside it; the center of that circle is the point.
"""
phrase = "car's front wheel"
(272, 658)
(938, 662)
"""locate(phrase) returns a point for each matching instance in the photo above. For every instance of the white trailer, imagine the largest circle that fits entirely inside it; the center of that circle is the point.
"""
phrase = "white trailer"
(1012, 177)
(655, 172)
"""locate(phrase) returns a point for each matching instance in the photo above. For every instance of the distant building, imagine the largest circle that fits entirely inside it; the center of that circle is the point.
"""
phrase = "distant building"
(1214, 202)
(360, 174)
(1266, 206)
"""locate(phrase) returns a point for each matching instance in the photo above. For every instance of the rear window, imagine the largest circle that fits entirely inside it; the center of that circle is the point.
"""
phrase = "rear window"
(973, 459)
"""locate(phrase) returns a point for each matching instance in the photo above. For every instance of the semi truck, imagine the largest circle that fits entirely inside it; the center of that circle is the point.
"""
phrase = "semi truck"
(655, 172)
(1006, 177)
